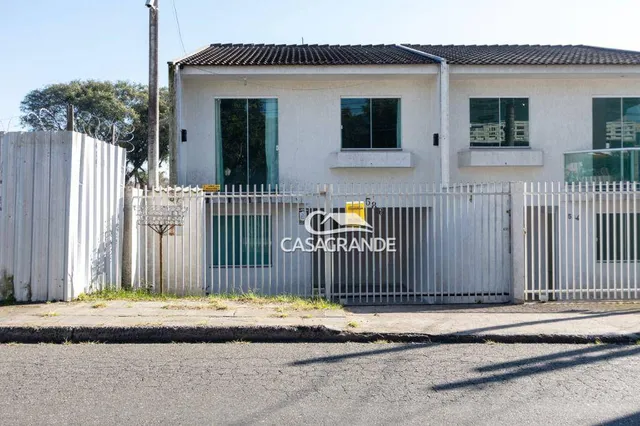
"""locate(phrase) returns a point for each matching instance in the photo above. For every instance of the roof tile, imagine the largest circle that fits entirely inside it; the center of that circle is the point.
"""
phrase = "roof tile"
(386, 54)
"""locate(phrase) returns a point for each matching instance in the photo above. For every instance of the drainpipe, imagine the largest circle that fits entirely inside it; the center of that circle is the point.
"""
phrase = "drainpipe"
(175, 81)
(443, 79)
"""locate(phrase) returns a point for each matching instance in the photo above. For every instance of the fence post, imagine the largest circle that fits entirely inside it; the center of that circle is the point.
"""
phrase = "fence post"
(518, 241)
(328, 256)
(127, 224)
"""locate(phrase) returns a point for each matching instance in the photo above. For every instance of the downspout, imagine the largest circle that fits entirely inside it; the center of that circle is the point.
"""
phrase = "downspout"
(443, 78)
(175, 83)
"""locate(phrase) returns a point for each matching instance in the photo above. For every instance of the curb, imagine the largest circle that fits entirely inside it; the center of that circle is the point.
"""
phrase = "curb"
(276, 334)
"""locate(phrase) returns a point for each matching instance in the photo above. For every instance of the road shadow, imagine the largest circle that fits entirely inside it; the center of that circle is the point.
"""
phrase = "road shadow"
(631, 419)
(343, 357)
(542, 364)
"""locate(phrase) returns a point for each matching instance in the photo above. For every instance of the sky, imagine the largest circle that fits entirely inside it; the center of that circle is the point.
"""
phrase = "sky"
(50, 41)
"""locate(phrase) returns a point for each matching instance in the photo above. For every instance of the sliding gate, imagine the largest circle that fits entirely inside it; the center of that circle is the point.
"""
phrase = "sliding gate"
(356, 243)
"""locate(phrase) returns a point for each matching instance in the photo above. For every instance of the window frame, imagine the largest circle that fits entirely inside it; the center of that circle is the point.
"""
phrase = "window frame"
(621, 98)
(217, 160)
(371, 149)
(227, 261)
(498, 97)
(620, 241)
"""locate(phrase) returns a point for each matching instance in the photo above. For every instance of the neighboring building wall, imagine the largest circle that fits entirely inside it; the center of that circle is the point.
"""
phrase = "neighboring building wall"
(309, 126)
(560, 120)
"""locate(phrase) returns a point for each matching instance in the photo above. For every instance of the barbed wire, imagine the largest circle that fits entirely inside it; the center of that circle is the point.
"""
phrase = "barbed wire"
(116, 132)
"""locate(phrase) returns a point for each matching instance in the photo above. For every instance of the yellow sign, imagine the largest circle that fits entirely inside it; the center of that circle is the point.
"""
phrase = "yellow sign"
(357, 208)
(211, 188)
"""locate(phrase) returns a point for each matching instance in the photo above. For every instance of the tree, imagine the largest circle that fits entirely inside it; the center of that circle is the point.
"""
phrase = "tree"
(102, 109)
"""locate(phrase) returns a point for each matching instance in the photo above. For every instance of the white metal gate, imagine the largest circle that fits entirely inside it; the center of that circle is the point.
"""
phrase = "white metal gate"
(417, 243)
(582, 241)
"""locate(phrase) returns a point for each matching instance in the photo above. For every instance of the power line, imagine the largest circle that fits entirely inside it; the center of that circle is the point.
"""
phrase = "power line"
(244, 80)
(175, 14)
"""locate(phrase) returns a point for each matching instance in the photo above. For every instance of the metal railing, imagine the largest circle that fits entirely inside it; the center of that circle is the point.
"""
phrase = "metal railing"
(582, 240)
(355, 243)
(602, 165)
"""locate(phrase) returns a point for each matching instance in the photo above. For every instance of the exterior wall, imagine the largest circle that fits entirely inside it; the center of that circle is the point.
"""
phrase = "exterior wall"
(309, 126)
(560, 120)
(560, 117)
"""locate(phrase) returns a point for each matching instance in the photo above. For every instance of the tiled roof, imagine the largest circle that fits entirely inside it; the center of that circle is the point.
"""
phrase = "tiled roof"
(530, 54)
(303, 54)
(313, 54)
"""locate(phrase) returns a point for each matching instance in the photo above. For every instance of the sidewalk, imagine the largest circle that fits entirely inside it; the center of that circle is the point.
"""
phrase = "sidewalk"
(200, 321)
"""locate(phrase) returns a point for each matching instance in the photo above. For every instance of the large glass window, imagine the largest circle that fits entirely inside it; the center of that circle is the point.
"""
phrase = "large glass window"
(241, 240)
(247, 142)
(616, 122)
(499, 122)
(370, 123)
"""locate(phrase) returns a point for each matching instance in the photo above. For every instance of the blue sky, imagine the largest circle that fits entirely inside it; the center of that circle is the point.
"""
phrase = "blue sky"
(46, 41)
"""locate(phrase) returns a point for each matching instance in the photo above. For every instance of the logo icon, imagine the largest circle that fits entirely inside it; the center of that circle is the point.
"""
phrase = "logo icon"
(347, 222)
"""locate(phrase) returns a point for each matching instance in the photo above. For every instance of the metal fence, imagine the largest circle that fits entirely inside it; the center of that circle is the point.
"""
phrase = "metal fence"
(582, 240)
(356, 243)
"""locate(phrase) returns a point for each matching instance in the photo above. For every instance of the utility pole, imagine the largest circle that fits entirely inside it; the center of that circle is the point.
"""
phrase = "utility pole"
(153, 157)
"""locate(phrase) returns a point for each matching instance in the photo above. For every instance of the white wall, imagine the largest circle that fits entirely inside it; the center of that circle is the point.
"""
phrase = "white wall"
(309, 126)
(62, 203)
(560, 120)
(560, 113)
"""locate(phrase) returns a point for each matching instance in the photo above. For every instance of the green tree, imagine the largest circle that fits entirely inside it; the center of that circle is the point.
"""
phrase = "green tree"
(102, 109)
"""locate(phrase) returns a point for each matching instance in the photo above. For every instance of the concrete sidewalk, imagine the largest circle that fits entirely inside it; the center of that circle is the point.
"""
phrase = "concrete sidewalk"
(200, 321)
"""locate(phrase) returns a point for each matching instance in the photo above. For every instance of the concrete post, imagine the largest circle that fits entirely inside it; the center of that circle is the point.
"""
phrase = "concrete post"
(127, 234)
(518, 241)
(153, 159)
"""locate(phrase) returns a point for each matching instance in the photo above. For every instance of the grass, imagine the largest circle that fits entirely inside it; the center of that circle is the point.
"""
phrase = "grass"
(99, 305)
(353, 324)
(49, 314)
(294, 303)
(214, 304)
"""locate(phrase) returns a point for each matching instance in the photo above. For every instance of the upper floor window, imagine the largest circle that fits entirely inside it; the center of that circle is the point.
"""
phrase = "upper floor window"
(370, 123)
(616, 122)
(247, 142)
(499, 122)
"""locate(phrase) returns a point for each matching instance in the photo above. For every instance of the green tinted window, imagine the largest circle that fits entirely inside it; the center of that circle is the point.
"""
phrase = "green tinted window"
(616, 122)
(499, 122)
(241, 240)
(370, 123)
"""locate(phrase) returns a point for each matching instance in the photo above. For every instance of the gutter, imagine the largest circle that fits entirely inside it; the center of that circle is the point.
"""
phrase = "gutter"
(444, 111)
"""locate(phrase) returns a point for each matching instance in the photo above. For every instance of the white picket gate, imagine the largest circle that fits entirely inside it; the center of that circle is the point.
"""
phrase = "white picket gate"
(450, 245)
(583, 241)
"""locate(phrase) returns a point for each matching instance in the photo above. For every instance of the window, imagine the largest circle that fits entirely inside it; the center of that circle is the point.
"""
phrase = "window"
(499, 122)
(370, 123)
(241, 240)
(616, 122)
(247, 142)
(617, 237)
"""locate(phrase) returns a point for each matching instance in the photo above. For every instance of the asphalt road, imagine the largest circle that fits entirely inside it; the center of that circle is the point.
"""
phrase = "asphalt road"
(333, 384)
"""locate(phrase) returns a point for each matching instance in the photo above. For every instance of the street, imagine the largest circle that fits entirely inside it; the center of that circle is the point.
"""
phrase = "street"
(375, 383)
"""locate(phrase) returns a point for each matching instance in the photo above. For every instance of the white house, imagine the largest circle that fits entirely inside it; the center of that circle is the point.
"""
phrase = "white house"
(267, 114)
(415, 120)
